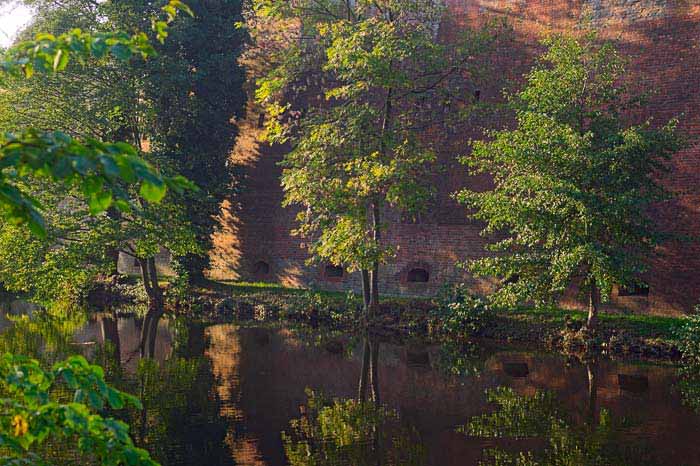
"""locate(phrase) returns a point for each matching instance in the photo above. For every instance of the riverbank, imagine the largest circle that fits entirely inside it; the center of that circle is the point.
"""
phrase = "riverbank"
(619, 335)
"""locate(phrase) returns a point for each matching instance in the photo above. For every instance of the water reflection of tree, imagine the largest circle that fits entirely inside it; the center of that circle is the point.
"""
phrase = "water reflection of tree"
(350, 432)
(357, 432)
(46, 335)
(598, 441)
(179, 422)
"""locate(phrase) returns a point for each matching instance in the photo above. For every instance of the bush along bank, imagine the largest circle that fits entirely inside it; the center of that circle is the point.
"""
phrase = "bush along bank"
(453, 316)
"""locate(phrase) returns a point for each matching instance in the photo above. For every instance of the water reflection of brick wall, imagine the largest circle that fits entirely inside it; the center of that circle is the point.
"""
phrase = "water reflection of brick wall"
(263, 373)
(661, 38)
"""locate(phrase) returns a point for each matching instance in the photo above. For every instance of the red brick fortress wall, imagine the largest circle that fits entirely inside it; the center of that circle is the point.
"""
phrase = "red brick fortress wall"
(661, 39)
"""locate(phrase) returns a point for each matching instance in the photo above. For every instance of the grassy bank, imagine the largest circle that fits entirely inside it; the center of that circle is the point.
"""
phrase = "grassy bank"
(618, 334)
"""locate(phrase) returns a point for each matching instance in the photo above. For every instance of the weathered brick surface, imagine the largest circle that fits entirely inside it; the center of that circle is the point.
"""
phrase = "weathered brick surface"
(661, 39)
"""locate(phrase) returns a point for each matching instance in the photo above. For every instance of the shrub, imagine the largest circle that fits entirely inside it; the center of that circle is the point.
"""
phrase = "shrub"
(689, 345)
(461, 314)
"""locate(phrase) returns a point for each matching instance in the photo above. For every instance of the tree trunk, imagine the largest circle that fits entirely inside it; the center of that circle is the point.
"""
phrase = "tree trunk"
(365, 291)
(149, 275)
(593, 305)
(374, 274)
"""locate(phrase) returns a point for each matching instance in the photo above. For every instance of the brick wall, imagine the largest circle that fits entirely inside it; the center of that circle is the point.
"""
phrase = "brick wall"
(661, 38)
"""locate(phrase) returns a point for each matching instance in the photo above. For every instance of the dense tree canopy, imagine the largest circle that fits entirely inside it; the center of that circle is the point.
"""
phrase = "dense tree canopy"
(349, 90)
(573, 183)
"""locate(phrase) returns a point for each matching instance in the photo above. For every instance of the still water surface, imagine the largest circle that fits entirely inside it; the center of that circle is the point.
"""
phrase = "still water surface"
(253, 395)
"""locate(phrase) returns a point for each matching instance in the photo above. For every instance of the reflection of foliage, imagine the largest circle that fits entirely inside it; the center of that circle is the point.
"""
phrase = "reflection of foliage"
(350, 432)
(689, 345)
(517, 417)
(33, 415)
(46, 335)
(520, 417)
(179, 421)
(459, 359)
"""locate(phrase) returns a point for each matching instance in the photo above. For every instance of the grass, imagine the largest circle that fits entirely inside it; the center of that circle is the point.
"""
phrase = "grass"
(646, 326)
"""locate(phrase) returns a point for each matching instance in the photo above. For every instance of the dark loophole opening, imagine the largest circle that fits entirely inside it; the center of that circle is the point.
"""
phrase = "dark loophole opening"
(261, 268)
(334, 271)
(417, 276)
(634, 290)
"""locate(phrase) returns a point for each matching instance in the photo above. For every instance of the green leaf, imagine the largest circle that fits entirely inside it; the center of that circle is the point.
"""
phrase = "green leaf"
(121, 52)
(99, 202)
(152, 191)
(114, 398)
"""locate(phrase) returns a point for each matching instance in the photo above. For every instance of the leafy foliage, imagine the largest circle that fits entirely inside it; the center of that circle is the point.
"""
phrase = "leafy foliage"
(522, 417)
(461, 314)
(95, 165)
(689, 345)
(573, 183)
(32, 414)
(349, 90)
(195, 91)
(349, 432)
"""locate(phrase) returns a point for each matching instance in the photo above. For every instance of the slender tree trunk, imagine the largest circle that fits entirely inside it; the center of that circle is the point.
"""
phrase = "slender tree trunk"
(364, 371)
(365, 290)
(593, 305)
(374, 274)
(155, 311)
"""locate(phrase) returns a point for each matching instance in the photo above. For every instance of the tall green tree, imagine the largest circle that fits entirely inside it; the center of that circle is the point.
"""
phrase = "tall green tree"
(354, 87)
(94, 213)
(195, 87)
(573, 181)
(180, 106)
(33, 413)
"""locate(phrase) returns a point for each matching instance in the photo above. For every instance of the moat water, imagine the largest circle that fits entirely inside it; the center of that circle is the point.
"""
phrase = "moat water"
(258, 395)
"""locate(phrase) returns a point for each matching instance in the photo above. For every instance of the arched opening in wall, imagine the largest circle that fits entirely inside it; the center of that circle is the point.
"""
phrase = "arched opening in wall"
(417, 275)
(261, 269)
(634, 290)
(333, 272)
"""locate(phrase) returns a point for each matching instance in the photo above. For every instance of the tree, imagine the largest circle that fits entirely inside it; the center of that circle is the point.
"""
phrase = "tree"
(96, 166)
(32, 414)
(195, 88)
(573, 182)
(183, 101)
(353, 89)
(83, 101)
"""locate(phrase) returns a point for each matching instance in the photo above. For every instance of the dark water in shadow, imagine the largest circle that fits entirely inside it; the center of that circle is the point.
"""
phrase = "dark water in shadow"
(246, 395)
